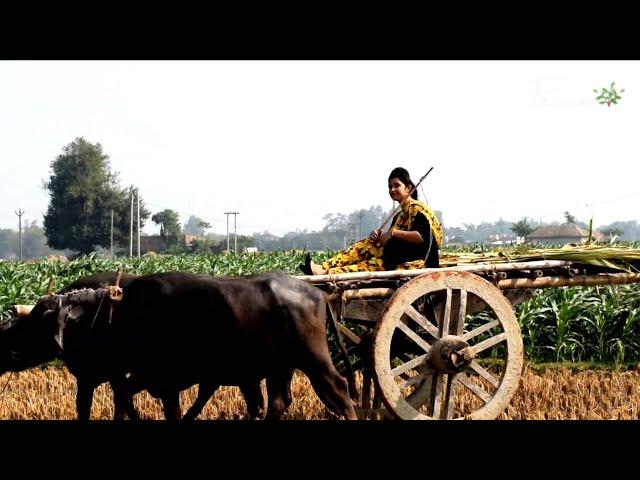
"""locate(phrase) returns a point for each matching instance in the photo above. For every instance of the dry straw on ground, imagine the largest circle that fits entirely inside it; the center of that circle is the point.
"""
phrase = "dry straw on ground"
(49, 393)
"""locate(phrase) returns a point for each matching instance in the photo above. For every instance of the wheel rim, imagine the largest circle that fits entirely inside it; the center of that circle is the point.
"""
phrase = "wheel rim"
(411, 387)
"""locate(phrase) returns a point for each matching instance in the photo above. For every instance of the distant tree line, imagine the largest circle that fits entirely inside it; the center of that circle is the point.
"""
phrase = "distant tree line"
(34, 242)
(84, 192)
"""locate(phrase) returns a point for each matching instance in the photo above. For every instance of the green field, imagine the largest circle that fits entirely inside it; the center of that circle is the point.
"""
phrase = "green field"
(597, 324)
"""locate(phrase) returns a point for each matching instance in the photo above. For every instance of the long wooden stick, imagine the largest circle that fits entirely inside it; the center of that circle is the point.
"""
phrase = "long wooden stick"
(474, 268)
(397, 209)
(577, 281)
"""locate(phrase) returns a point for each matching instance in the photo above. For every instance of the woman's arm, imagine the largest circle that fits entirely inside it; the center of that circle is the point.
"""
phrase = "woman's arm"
(411, 236)
(420, 224)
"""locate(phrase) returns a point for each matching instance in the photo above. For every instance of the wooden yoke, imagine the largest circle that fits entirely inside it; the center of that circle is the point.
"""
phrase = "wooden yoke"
(115, 292)
(72, 305)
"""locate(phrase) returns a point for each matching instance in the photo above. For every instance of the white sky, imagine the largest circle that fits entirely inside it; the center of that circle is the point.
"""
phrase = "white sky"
(285, 142)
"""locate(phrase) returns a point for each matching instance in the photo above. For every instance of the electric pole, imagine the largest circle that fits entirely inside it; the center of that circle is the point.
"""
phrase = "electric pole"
(235, 240)
(227, 214)
(360, 216)
(19, 213)
(131, 225)
(352, 233)
(112, 233)
(138, 198)
(235, 233)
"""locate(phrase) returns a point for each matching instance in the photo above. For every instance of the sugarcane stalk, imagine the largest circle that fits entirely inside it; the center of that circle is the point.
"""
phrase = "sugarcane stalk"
(397, 274)
(576, 281)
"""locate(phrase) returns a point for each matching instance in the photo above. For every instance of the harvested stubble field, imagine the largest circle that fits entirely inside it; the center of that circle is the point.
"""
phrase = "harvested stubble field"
(556, 394)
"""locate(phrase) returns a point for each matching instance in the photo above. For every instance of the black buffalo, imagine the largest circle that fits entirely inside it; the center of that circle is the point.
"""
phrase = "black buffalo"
(173, 330)
(273, 319)
(26, 342)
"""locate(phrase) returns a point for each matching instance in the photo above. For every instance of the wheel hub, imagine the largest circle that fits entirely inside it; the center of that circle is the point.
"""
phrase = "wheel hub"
(451, 355)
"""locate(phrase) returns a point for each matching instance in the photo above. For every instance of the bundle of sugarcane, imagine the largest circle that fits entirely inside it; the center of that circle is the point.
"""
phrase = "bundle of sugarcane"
(617, 258)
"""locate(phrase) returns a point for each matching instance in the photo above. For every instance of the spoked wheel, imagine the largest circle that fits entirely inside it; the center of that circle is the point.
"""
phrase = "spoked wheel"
(431, 363)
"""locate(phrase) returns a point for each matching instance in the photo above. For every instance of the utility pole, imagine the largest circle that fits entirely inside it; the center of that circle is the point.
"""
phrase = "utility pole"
(235, 233)
(235, 238)
(112, 233)
(352, 233)
(138, 198)
(360, 216)
(227, 214)
(131, 224)
(19, 213)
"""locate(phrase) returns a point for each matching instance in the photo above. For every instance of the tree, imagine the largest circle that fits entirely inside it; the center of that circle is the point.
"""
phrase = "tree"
(83, 191)
(169, 222)
(195, 226)
(612, 232)
(8, 244)
(569, 218)
(522, 228)
(34, 242)
(335, 222)
(369, 219)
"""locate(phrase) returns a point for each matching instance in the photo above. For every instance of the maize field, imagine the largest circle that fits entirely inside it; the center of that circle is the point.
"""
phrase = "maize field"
(576, 324)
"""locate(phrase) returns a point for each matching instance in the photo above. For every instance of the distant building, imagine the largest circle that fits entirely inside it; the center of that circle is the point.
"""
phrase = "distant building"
(155, 243)
(561, 234)
(251, 250)
(454, 241)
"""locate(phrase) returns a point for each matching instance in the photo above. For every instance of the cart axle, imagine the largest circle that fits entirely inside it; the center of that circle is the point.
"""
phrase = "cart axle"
(451, 355)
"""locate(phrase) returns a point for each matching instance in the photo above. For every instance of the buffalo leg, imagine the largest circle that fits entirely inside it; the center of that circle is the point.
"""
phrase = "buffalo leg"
(279, 392)
(171, 405)
(205, 392)
(123, 392)
(84, 399)
(253, 398)
(333, 390)
(331, 387)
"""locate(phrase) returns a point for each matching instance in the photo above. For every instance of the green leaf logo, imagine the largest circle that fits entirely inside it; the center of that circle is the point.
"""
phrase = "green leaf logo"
(608, 96)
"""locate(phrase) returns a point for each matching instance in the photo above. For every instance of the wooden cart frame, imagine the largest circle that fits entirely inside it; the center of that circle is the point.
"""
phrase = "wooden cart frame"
(408, 334)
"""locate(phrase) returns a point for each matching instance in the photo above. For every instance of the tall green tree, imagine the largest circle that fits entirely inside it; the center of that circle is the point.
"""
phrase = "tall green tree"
(195, 226)
(169, 222)
(83, 191)
(522, 228)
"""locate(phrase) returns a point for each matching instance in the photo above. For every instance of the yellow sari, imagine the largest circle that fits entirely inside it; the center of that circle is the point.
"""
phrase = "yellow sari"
(364, 256)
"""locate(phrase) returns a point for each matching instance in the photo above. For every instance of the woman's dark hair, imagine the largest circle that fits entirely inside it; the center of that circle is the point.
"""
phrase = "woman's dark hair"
(402, 175)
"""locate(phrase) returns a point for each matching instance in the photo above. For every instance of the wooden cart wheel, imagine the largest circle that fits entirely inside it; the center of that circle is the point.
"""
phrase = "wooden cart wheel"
(430, 364)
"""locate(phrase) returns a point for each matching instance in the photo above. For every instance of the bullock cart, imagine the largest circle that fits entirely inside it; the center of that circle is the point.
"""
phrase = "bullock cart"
(442, 343)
